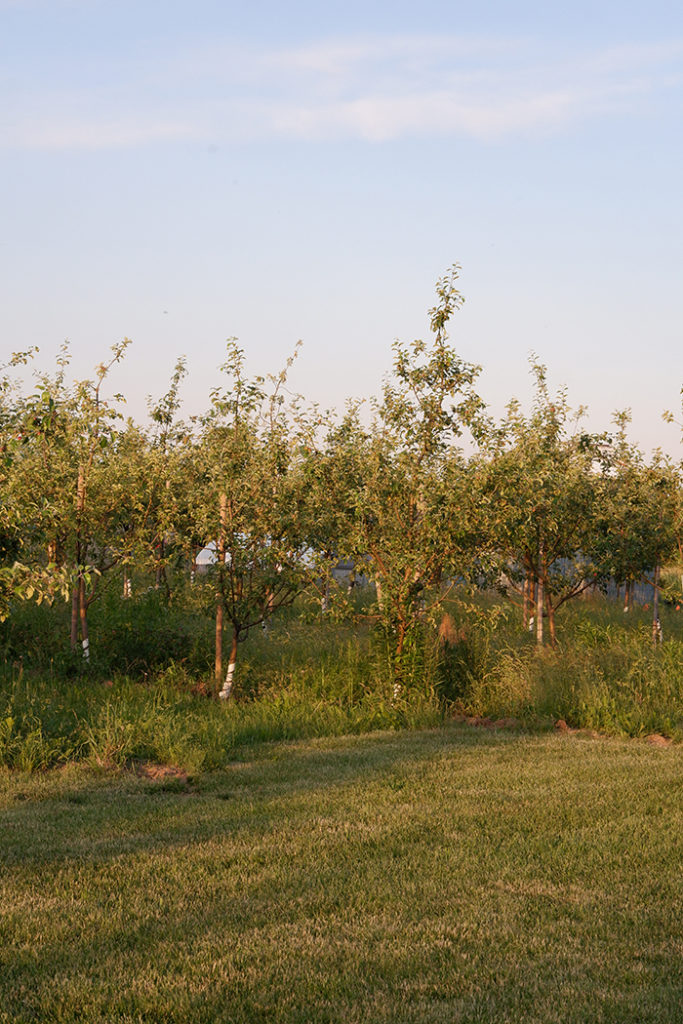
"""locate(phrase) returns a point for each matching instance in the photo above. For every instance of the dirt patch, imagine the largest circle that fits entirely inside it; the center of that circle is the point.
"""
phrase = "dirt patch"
(483, 722)
(160, 772)
(655, 739)
(568, 730)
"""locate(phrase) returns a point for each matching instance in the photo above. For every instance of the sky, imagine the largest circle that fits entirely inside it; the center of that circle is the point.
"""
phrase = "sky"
(184, 173)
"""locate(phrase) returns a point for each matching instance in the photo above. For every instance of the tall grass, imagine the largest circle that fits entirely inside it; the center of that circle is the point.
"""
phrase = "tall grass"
(46, 724)
(301, 678)
(309, 677)
(605, 673)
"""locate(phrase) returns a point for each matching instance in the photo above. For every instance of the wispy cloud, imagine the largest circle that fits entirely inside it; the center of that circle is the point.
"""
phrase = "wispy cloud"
(42, 5)
(376, 89)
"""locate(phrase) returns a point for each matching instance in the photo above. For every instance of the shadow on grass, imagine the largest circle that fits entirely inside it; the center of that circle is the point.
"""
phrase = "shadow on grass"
(437, 876)
(93, 818)
(60, 814)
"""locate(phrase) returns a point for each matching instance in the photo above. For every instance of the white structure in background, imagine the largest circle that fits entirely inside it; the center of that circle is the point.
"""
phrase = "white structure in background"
(206, 557)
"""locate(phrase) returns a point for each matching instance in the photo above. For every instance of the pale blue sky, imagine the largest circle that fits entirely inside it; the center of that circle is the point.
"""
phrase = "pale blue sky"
(181, 173)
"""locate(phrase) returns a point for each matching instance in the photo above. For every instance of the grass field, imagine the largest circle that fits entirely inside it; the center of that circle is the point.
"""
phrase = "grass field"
(447, 875)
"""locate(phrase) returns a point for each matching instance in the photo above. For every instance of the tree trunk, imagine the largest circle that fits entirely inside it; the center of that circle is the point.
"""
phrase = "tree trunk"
(551, 618)
(539, 612)
(78, 606)
(74, 618)
(159, 554)
(628, 596)
(656, 624)
(325, 597)
(161, 576)
(83, 615)
(539, 598)
(398, 666)
(528, 601)
(220, 555)
(158, 575)
(218, 665)
(539, 606)
(226, 689)
(268, 607)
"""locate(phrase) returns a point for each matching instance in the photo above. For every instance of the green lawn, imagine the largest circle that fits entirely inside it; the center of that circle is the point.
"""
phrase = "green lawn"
(438, 876)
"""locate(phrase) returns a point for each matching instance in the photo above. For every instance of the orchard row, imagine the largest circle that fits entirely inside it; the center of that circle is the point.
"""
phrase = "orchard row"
(540, 509)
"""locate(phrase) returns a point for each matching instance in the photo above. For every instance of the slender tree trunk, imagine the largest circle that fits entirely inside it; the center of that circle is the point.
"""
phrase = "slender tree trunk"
(226, 689)
(268, 608)
(539, 613)
(219, 596)
(656, 624)
(551, 618)
(161, 576)
(628, 596)
(74, 618)
(402, 632)
(325, 599)
(539, 598)
(78, 606)
(158, 576)
(531, 614)
(83, 616)
(218, 668)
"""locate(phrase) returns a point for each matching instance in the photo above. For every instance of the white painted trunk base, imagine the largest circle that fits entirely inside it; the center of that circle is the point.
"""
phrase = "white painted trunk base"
(226, 689)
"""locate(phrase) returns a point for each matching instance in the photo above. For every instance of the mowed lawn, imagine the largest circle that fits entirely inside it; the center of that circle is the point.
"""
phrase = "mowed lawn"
(439, 876)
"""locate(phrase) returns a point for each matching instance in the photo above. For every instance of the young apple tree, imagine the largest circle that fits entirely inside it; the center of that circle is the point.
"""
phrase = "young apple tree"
(22, 575)
(251, 503)
(80, 515)
(542, 486)
(410, 522)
